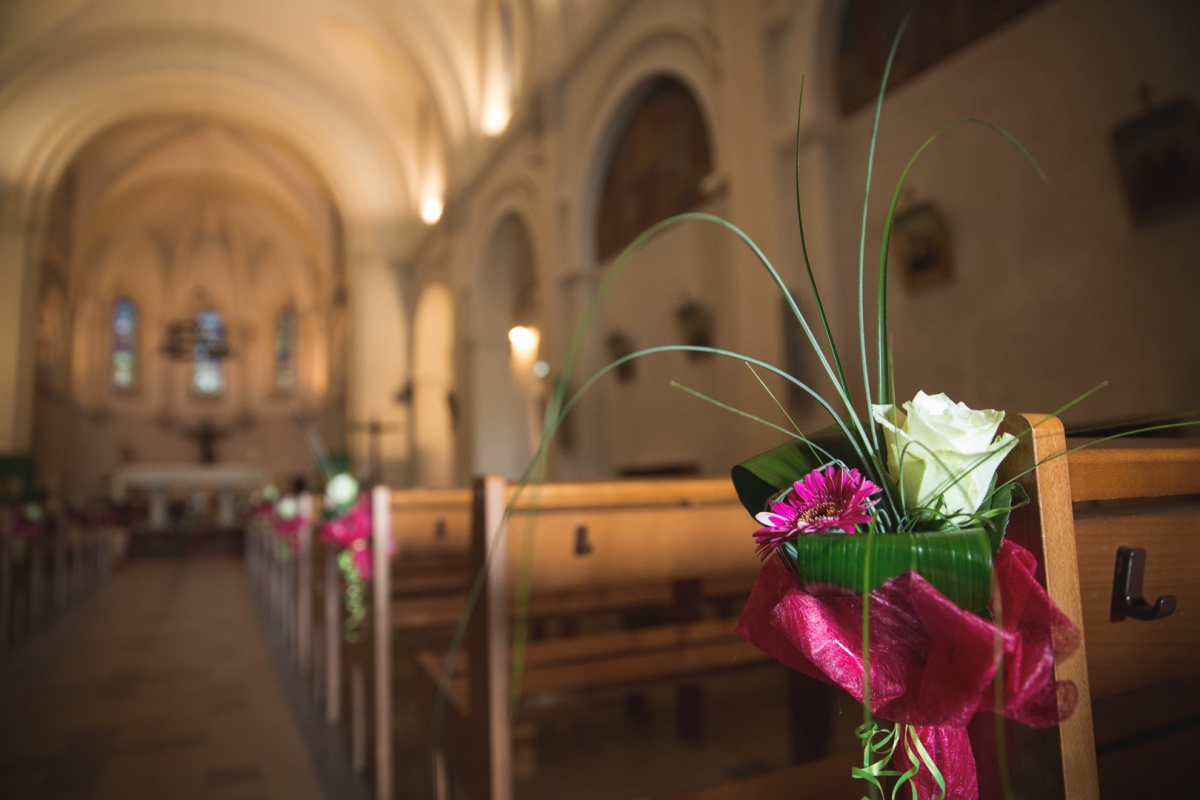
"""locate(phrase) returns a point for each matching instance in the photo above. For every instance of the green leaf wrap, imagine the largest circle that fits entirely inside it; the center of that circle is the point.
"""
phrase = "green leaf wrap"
(765, 475)
(957, 562)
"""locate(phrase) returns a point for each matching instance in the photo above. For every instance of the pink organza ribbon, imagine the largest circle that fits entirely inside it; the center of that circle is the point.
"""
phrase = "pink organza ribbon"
(932, 663)
(25, 527)
(352, 531)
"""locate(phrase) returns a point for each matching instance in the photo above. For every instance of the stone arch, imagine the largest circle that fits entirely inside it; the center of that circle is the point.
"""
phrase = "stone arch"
(682, 54)
(655, 166)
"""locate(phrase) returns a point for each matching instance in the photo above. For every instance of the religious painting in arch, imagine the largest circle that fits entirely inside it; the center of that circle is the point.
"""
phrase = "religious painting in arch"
(208, 369)
(937, 30)
(657, 166)
(123, 356)
(285, 349)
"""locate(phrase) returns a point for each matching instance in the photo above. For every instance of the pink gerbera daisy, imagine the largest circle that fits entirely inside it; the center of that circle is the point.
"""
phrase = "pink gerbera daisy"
(837, 499)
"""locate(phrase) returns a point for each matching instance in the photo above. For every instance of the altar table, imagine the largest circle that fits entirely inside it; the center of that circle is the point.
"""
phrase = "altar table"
(158, 479)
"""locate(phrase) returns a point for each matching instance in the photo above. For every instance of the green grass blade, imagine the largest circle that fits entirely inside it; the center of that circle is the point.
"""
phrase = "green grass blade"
(726, 407)
(681, 348)
(862, 238)
(812, 280)
(884, 377)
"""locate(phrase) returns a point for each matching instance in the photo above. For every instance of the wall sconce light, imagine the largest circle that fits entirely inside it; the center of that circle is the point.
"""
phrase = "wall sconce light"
(495, 117)
(524, 341)
(431, 210)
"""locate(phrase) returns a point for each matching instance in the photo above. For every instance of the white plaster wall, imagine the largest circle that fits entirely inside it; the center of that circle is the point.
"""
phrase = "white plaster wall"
(1054, 289)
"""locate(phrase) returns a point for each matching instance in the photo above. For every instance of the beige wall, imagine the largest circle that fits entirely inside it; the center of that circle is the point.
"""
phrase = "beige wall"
(1053, 289)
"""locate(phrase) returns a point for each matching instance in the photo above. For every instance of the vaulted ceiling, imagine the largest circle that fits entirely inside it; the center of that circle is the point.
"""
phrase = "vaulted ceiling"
(376, 94)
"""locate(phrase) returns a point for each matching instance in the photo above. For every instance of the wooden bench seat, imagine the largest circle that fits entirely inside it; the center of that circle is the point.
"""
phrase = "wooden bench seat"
(421, 545)
(594, 547)
(614, 658)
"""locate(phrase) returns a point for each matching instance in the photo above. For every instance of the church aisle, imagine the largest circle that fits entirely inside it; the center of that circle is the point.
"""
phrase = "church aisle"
(159, 685)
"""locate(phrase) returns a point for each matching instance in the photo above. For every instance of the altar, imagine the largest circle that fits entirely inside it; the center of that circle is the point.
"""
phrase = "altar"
(158, 479)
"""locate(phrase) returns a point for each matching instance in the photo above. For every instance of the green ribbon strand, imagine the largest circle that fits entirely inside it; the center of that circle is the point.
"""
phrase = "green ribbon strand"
(355, 598)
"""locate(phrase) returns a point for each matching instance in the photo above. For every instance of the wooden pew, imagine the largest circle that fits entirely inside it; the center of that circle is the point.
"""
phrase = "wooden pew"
(1146, 703)
(420, 541)
(44, 571)
(593, 544)
(26, 575)
(8, 577)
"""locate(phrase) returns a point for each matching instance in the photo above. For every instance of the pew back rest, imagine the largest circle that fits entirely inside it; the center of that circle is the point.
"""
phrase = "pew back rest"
(1147, 498)
(1076, 562)
(430, 523)
(579, 537)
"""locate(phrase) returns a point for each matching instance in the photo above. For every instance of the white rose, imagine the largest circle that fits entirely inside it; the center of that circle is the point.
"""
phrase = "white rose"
(948, 451)
(342, 490)
(288, 507)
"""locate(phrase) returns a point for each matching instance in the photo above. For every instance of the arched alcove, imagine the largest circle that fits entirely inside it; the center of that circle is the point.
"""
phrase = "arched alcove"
(656, 166)
(433, 387)
(505, 396)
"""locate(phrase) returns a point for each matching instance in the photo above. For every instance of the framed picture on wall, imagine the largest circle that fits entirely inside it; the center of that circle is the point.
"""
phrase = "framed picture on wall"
(1158, 158)
(922, 246)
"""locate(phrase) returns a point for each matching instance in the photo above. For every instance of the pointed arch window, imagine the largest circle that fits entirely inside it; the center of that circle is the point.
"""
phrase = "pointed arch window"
(285, 349)
(208, 369)
(122, 360)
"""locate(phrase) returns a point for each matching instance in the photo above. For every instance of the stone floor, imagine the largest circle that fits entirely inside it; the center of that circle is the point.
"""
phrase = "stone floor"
(160, 685)
(165, 684)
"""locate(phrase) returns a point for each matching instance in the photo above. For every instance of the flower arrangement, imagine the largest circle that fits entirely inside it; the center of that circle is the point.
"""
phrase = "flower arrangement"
(287, 518)
(906, 595)
(347, 527)
(28, 520)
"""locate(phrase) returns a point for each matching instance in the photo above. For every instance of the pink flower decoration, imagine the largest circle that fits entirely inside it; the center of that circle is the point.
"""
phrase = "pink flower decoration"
(288, 529)
(352, 532)
(837, 499)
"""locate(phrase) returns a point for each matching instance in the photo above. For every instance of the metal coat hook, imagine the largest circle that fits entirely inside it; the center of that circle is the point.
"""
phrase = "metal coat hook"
(1127, 599)
(439, 529)
(582, 545)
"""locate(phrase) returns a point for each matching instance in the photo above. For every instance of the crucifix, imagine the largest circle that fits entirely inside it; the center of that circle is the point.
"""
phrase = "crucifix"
(374, 429)
(206, 435)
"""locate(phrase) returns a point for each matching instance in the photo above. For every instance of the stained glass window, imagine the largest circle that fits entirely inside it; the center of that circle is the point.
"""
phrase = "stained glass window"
(208, 371)
(285, 349)
(123, 349)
